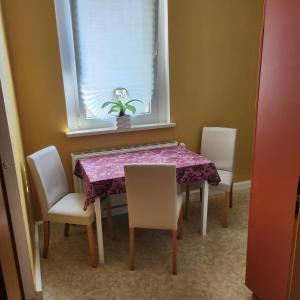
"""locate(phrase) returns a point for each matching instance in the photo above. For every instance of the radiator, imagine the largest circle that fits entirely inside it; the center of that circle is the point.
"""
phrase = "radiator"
(118, 202)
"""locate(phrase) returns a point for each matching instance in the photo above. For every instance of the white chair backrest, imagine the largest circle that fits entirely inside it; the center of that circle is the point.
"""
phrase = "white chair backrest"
(49, 177)
(151, 196)
(218, 145)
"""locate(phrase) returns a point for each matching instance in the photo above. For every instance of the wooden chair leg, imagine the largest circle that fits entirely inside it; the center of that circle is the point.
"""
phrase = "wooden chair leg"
(231, 192)
(132, 258)
(180, 224)
(226, 206)
(46, 238)
(92, 245)
(109, 221)
(200, 194)
(174, 259)
(187, 200)
(67, 228)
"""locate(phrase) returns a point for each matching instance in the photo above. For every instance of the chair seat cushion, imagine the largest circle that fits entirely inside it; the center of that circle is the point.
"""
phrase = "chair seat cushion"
(70, 210)
(226, 181)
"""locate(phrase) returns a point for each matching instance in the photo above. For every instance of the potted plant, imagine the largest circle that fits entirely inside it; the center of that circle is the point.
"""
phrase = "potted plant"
(120, 106)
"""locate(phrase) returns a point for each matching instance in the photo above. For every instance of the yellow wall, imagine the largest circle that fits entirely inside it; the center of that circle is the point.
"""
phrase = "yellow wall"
(16, 141)
(214, 49)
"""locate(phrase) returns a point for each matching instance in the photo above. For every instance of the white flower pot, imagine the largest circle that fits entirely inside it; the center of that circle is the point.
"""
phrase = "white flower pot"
(123, 122)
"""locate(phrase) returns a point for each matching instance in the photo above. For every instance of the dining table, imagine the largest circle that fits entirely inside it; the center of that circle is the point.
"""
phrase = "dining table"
(103, 176)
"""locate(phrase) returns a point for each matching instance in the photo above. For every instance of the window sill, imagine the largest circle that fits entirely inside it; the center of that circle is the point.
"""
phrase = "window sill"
(98, 131)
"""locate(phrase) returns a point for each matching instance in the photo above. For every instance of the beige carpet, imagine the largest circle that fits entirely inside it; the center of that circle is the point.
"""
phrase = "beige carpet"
(209, 268)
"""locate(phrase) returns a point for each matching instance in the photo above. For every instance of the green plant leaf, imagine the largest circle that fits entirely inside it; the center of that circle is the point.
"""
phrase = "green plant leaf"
(114, 109)
(130, 108)
(116, 106)
(133, 100)
(121, 104)
(107, 103)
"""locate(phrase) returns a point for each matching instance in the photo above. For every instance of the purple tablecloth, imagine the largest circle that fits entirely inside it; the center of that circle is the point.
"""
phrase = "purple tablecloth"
(104, 175)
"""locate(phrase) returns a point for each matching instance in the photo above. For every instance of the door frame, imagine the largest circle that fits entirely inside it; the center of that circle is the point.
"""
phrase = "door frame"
(14, 207)
(10, 182)
(9, 264)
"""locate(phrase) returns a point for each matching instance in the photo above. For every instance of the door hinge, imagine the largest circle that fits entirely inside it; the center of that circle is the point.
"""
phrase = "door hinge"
(5, 165)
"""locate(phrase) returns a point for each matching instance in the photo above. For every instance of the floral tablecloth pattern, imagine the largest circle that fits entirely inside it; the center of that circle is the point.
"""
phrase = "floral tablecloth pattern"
(104, 175)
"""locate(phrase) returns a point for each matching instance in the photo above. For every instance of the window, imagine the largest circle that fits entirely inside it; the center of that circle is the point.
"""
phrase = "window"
(111, 44)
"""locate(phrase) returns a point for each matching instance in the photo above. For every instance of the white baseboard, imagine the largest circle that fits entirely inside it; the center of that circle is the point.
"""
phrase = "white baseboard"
(119, 208)
(38, 275)
(241, 185)
(237, 186)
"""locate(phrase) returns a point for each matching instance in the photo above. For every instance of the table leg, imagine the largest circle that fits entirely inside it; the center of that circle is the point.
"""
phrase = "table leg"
(97, 205)
(204, 205)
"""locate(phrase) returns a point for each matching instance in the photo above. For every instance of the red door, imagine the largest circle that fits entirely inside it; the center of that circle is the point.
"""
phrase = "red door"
(276, 163)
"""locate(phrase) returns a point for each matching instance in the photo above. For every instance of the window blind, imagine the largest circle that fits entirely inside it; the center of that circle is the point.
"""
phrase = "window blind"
(115, 46)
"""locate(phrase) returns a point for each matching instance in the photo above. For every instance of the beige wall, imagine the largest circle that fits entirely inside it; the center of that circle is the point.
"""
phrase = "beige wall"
(214, 49)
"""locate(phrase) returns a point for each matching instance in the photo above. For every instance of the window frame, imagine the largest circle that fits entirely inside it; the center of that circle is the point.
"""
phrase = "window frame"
(160, 113)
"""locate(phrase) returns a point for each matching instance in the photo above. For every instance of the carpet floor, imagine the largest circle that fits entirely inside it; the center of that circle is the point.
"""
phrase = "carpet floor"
(209, 268)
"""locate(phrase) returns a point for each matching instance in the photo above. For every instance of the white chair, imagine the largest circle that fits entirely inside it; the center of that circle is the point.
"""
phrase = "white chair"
(153, 202)
(57, 203)
(218, 145)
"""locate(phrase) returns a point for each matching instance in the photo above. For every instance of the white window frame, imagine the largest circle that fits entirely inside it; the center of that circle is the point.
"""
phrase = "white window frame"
(160, 115)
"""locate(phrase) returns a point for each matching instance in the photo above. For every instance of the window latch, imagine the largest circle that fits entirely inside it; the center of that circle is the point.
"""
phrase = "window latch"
(156, 50)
